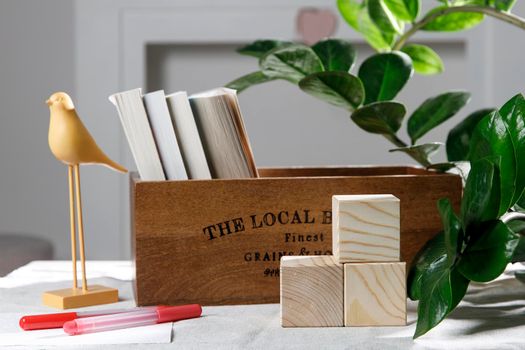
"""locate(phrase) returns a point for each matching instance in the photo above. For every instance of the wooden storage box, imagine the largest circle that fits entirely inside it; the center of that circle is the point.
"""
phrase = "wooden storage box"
(219, 242)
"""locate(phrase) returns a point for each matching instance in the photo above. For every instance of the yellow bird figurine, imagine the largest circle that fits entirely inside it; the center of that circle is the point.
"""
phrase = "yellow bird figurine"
(69, 140)
(71, 143)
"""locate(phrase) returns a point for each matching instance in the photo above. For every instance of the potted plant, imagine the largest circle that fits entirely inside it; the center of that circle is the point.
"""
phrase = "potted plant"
(477, 242)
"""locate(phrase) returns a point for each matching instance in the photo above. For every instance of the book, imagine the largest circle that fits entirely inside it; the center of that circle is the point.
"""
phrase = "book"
(223, 135)
(188, 136)
(136, 126)
(164, 135)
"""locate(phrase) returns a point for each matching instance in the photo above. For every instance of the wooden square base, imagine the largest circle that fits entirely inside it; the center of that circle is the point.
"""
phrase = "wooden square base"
(71, 298)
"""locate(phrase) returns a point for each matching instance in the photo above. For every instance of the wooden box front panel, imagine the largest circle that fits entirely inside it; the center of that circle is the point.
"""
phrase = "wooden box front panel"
(219, 242)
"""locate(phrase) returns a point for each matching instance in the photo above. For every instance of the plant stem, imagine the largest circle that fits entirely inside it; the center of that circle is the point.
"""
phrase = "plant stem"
(395, 140)
(489, 11)
(511, 216)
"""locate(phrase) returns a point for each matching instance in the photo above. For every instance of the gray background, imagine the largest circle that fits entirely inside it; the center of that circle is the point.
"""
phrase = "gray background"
(41, 52)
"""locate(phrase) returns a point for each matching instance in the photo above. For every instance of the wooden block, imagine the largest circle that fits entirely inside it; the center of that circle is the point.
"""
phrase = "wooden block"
(71, 298)
(311, 292)
(365, 228)
(375, 294)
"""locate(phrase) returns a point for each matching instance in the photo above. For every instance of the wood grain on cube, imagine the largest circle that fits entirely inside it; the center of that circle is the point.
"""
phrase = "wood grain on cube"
(375, 294)
(311, 292)
(366, 228)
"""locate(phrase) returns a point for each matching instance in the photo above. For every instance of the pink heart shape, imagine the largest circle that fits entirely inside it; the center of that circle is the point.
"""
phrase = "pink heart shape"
(315, 24)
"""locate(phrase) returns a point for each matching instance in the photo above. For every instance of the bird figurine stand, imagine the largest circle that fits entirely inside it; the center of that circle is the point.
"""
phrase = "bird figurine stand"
(72, 144)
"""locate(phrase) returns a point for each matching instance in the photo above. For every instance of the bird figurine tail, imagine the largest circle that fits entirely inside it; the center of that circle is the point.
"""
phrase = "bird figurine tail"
(113, 165)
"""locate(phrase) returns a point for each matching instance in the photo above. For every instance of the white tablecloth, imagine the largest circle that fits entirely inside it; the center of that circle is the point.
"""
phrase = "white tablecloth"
(492, 316)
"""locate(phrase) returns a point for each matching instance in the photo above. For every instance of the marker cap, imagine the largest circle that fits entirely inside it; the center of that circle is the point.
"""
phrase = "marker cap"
(47, 321)
(175, 313)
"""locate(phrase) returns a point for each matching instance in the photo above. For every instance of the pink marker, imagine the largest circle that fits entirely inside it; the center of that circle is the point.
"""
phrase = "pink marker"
(138, 318)
(48, 321)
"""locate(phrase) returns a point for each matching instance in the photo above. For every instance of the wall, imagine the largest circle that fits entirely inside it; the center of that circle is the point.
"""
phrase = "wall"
(36, 59)
(79, 46)
(288, 127)
(506, 68)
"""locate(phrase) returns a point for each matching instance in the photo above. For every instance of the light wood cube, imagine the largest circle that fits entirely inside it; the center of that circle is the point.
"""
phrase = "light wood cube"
(365, 228)
(311, 291)
(375, 294)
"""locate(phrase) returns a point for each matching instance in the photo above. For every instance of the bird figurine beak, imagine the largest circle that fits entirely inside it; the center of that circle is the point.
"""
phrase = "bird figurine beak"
(49, 102)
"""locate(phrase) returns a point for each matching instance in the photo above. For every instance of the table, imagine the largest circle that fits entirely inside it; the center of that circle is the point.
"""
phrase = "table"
(491, 316)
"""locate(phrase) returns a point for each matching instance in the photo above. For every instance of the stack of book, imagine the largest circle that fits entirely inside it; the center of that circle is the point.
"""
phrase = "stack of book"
(176, 137)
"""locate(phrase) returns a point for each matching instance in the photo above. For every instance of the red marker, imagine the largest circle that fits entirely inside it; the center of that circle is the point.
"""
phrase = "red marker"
(143, 317)
(47, 321)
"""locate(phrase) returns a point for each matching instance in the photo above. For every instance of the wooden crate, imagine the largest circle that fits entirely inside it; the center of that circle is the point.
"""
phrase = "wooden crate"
(219, 242)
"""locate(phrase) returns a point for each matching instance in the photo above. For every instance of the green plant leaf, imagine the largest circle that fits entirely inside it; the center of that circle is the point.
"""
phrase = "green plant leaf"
(423, 151)
(405, 10)
(434, 282)
(458, 140)
(383, 18)
(413, 7)
(384, 75)
(338, 88)
(517, 226)
(261, 47)
(492, 140)
(471, 2)
(380, 117)
(426, 61)
(452, 22)
(244, 82)
(519, 252)
(291, 63)
(379, 40)
(520, 276)
(349, 10)
(433, 250)
(444, 289)
(513, 114)
(356, 15)
(481, 194)
(336, 54)
(435, 111)
(504, 5)
(487, 256)
(520, 204)
(451, 228)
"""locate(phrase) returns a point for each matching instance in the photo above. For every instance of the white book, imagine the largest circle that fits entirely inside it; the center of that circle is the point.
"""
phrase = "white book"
(223, 135)
(164, 134)
(136, 126)
(188, 136)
